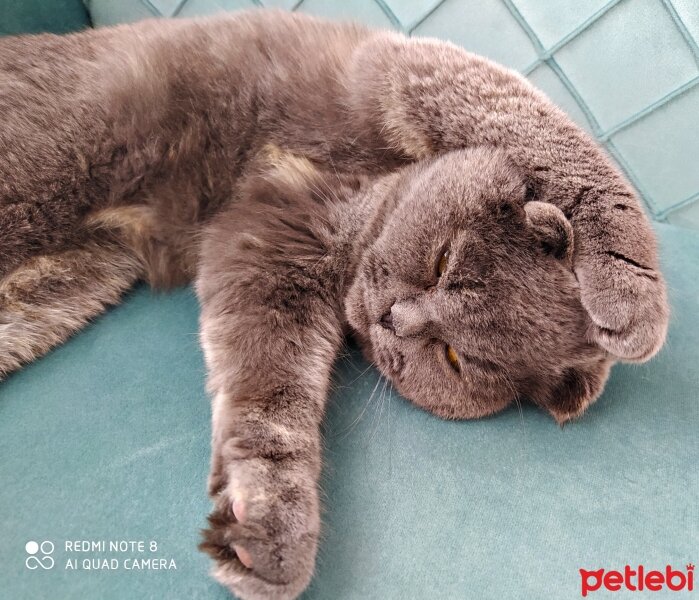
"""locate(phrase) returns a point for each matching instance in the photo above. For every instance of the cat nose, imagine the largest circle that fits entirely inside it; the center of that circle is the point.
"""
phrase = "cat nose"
(386, 321)
(409, 319)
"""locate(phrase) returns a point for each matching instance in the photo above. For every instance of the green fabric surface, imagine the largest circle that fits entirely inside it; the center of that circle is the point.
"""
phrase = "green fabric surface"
(37, 16)
(107, 438)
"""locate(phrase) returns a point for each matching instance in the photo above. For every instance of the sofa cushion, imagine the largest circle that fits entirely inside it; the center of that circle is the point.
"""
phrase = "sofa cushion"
(38, 16)
(107, 438)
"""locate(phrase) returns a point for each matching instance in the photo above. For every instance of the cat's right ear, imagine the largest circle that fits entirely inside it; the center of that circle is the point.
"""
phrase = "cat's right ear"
(551, 228)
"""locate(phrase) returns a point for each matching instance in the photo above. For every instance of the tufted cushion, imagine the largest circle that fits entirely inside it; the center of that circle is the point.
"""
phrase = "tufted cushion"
(626, 70)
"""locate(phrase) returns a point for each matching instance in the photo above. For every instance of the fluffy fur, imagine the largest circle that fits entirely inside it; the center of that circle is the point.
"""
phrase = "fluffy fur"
(308, 176)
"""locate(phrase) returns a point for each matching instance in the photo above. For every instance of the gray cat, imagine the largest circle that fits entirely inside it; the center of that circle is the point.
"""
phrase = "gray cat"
(314, 179)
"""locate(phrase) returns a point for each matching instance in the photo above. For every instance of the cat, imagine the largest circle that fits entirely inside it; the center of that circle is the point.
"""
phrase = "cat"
(314, 179)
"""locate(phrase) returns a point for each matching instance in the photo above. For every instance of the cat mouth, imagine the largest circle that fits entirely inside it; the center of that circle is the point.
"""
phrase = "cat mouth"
(390, 360)
(391, 363)
(386, 321)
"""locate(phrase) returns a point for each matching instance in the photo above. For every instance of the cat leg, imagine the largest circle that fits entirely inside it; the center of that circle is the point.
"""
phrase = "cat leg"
(48, 298)
(270, 330)
(422, 97)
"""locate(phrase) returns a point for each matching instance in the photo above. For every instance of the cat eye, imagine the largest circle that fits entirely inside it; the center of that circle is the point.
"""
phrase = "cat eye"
(442, 263)
(453, 358)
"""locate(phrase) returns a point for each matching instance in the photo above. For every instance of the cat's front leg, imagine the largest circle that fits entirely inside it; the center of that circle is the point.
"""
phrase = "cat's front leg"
(264, 528)
(270, 330)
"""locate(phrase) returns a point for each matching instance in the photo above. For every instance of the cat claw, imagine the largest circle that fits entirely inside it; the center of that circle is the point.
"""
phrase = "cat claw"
(239, 511)
(243, 556)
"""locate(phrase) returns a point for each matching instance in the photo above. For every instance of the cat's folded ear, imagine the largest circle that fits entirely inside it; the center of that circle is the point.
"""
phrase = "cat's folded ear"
(551, 228)
(574, 390)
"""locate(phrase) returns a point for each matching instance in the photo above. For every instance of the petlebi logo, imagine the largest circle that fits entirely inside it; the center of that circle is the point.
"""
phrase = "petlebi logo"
(39, 555)
(639, 579)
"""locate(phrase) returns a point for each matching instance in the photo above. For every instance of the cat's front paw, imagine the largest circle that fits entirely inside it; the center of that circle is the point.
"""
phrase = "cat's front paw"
(264, 528)
(627, 303)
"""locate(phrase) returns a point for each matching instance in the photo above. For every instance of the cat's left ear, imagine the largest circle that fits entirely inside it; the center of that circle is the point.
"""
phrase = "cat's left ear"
(551, 228)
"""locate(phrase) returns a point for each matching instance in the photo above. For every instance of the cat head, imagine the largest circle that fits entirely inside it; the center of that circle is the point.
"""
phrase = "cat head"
(464, 295)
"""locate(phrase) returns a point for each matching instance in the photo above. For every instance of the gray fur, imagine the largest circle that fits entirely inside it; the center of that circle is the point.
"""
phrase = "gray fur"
(308, 176)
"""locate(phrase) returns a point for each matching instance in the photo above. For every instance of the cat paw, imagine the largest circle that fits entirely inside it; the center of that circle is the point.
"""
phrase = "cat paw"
(627, 304)
(263, 531)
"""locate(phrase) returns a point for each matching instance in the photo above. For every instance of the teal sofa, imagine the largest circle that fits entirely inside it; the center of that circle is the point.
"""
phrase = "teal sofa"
(107, 438)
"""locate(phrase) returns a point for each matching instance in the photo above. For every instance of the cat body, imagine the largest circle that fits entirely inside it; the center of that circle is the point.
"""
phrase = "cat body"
(314, 179)
(167, 115)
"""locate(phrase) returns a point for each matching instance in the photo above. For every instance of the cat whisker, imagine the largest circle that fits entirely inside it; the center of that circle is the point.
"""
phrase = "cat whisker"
(358, 418)
(377, 418)
(510, 384)
(361, 374)
(519, 408)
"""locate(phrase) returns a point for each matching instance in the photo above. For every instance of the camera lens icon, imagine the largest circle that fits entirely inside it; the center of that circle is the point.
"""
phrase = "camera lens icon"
(44, 549)
(31, 547)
